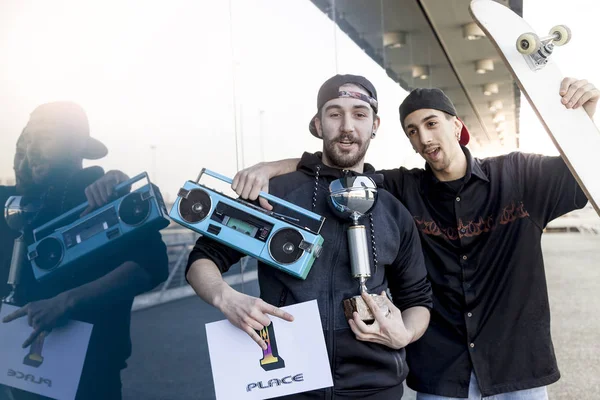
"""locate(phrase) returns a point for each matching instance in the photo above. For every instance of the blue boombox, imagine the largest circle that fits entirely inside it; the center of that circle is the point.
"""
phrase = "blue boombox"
(67, 243)
(288, 242)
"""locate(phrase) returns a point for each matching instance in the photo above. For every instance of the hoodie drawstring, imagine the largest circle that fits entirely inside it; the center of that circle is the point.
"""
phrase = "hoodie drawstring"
(373, 243)
(314, 199)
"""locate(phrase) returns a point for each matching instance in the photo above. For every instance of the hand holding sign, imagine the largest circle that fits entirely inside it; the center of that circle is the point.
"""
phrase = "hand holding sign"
(52, 366)
(295, 360)
(249, 313)
(42, 315)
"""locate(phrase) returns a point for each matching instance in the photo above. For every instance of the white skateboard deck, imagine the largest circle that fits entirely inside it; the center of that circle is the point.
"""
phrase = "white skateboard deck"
(574, 134)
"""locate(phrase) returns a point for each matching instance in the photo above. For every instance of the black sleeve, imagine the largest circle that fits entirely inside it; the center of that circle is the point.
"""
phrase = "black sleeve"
(547, 187)
(393, 181)
(205, 248)
(407, 276)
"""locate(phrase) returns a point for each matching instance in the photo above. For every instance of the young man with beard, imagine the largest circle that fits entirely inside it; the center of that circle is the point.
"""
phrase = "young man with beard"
(480, 223)
(369, 359)
(48, 166)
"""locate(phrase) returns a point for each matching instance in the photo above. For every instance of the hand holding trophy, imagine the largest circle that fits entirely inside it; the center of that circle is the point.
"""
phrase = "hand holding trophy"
(353, 197)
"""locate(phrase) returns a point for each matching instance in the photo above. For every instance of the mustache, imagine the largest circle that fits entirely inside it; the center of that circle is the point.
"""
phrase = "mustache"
(430, 147)
(346, 137)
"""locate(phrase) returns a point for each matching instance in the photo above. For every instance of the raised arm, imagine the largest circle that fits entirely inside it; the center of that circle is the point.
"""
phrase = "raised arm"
(577, 93)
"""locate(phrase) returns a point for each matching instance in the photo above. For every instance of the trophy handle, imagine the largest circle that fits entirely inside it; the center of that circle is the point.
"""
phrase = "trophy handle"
(359, 253)
(19, 255)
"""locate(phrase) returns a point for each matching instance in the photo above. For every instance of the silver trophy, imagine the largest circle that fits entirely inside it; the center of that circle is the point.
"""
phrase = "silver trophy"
(353, 197)
(19, 211)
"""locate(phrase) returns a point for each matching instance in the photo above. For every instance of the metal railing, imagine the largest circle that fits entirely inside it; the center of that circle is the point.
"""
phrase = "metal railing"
(177, 268)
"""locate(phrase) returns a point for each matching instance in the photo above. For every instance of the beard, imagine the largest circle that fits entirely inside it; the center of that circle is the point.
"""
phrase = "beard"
(42, 174)
(24, 184)
(342, 158)
(440, 165)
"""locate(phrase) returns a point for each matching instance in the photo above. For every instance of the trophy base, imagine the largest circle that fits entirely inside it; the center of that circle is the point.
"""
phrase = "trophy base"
(357, 303)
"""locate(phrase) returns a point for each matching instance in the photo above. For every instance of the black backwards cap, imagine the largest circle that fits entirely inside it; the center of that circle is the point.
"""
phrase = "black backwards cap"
(331, 90)
(433, 99)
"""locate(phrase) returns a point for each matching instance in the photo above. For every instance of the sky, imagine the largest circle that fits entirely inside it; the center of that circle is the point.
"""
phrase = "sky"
(171, 88)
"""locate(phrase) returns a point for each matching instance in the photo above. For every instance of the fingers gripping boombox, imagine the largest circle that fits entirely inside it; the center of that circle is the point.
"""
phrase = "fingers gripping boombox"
(62, 246)
(288, 242)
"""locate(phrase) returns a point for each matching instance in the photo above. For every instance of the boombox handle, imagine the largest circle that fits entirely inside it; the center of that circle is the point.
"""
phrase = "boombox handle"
(81, 208)
(264, 195)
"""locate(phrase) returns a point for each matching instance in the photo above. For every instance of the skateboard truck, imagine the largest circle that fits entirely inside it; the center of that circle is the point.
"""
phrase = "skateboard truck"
(537, 50)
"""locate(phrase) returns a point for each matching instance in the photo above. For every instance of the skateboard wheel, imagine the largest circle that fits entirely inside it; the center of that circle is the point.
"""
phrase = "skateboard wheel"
(563, 32)
(528, 43)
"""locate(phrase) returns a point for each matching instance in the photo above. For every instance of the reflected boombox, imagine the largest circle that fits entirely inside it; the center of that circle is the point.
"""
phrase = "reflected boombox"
(290, 242)
(64, 245)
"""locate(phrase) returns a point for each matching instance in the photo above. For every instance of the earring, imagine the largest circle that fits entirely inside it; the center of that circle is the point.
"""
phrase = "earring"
(373, 135)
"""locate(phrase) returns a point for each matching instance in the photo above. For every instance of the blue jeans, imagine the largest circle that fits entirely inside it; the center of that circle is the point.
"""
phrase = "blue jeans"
(538, 393)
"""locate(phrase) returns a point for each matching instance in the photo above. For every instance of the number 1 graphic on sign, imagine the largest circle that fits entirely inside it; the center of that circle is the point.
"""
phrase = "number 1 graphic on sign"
(34, 358)
(271, 359)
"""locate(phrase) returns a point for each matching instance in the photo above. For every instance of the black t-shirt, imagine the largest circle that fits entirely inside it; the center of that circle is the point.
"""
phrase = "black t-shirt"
(482, 247)
(453, 186)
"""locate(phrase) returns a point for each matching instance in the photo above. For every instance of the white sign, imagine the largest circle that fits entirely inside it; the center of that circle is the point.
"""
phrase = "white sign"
(296, 360)
(51, 366)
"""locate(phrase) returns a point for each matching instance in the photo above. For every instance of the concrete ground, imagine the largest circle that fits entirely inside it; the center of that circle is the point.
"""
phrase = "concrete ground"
(573, 273)
(170, 360)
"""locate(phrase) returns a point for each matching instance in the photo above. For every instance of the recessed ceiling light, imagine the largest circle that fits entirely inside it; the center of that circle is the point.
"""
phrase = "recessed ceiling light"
(499, 117)
(394, 40)
(483, 66)
(420, 71)
(490, 88)
(496, 105)
(472, 31)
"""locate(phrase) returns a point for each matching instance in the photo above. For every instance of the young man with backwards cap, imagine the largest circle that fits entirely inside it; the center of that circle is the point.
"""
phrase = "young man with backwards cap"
(367, 361)
(48, 165)
(480, 223)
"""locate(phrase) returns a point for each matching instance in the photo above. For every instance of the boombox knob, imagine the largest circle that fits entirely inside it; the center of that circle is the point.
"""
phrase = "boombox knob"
(288, 248)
